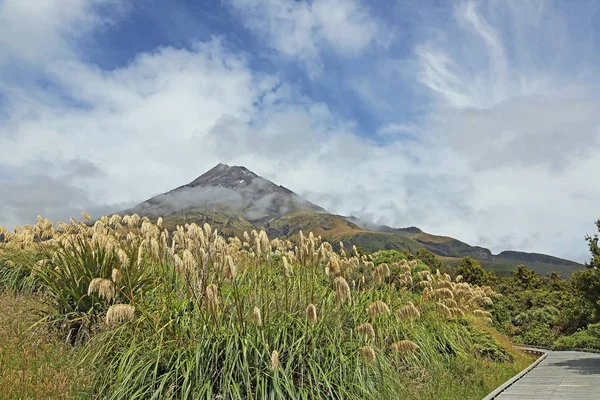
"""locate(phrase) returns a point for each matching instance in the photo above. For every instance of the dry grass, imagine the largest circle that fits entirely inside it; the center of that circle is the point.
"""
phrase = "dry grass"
(33, 365)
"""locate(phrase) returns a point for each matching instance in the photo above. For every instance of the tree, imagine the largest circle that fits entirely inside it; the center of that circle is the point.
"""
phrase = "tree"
(594, 249)
(527, 278)
(429, 259)
(472, 271)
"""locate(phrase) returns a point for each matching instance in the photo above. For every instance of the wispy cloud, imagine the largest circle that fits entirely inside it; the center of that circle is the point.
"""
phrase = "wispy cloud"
(486, 113)
(303, 30)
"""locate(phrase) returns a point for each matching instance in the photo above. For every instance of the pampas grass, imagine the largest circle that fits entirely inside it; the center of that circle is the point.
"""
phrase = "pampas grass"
(119, 313)
(237, 317)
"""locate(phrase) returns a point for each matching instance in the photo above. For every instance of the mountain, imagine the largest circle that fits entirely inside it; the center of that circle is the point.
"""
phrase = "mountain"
(230, 192)
(235, 199)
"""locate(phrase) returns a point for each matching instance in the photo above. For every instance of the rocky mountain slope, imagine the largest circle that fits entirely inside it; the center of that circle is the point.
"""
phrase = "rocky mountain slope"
(235, 199)
(234, 192)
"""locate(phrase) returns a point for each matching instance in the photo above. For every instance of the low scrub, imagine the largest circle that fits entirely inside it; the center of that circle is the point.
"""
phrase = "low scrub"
(588, 338)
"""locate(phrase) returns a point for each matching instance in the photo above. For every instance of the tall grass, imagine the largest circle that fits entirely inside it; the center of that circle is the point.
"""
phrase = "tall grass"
(190, 314)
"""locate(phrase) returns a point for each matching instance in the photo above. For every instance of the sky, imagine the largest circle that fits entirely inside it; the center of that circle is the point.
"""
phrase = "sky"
(474, 119)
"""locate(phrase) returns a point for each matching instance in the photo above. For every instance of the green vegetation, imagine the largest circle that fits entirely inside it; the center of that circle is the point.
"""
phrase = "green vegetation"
(551, 311)
(33, 363)
(147, 313)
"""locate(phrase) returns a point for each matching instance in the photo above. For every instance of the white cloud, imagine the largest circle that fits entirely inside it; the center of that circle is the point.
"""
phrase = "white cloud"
(303, 29)
(503, 158)
(36, 31)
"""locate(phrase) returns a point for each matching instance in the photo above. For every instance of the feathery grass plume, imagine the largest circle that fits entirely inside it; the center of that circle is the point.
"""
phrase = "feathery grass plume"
(118, 313)
(311, 313)
(159, 222)
(381, 272)
(443, 293)
(207, 229)
(427, 293)
(122, 257)
(212, 297)
(126, 220)
(155, 247)
(404, 346)
(257, 248)
(459, 278)
(117, 276)
(413, 263)
(444, 284)
(488, 320)
(488, 301)
(457, 312)
(189, 262)
(333, 266)
(140, 256)
(424, 284)
(377, 307)
(135, 220)
(405, 279)
(287, 268)
(86, 216)
(366, 331)
(342, 250)
(450, 302)
(367, 353)
(274, 359)
(408, 312)
(342, 290)
(481, 313)
(444, 310)
(257, 317)
(115, 220)
(179, 266)
(423, 274)
(230, 268)
(265, 243)
(104, 288)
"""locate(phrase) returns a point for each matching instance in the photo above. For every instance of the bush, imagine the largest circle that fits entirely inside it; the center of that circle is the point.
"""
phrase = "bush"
(584, 339)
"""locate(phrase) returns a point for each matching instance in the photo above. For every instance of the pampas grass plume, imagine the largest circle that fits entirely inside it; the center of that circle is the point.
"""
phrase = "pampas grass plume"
(119, 313)
(367, 353)
(311, 313)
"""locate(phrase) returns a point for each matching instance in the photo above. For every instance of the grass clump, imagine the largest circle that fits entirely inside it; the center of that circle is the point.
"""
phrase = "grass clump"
(190, 314)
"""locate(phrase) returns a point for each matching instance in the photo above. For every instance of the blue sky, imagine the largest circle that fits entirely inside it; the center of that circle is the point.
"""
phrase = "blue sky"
(475, 119)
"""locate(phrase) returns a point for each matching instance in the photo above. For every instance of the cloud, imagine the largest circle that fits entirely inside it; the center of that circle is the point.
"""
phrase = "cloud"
(521, 125)
(304, 29)
(34, 32)
(486, 134)
(50, 188)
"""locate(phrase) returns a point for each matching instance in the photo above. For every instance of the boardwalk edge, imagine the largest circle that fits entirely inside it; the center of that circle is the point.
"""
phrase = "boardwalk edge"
(511, 381)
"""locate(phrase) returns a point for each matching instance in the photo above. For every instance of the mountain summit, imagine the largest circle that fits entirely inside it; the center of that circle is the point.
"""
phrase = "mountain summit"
(232, 191)
(234, 199)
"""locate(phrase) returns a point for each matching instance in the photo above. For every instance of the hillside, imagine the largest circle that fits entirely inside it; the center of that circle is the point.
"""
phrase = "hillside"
(235, 199)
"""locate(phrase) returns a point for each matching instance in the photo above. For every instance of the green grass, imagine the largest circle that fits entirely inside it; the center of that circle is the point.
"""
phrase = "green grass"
(34, 364)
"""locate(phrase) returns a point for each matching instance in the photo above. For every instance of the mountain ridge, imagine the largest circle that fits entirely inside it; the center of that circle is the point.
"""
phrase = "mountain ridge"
(235, 199)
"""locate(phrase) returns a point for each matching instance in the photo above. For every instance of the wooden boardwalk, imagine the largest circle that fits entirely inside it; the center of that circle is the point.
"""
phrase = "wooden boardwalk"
(564, 375)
